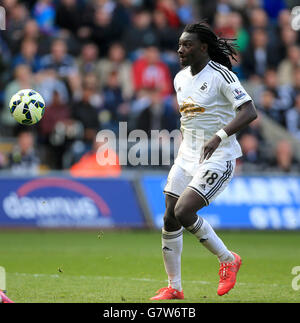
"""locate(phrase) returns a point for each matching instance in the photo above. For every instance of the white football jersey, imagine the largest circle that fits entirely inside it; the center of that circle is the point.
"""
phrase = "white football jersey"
(207, 102)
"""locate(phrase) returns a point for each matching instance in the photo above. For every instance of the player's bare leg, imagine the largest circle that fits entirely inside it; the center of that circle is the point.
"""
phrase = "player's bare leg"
(185, 212)
(171, 250)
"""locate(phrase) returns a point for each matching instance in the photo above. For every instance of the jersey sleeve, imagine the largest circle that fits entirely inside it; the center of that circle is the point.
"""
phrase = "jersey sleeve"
(233, 90)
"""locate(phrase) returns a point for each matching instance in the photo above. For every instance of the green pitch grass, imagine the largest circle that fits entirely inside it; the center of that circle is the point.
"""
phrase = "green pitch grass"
(94, 266)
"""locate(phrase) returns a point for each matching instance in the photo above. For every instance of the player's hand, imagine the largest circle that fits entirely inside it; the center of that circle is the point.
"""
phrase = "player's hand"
(210, 147)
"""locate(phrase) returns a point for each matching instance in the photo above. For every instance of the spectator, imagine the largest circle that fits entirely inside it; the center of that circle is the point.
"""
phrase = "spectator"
(251, 154)
(68, 15)
(284, 157)
(5, 65)
(88, 61)
(28, 55)
(116, 62)
(140, 34)
(269, 107)
(59, 60)
(230, 25)
(47, 83)
(273, 8)
(3, 160)
(140, 101)
(223, 26)
(289, 64)
(90, 81)
(23, 79)
(57, 111)
(288, 37)
(172, 112)
(259, 55)
(295, 87)
(293, 118)
(85, 110)
(168, 7)
(158, 116)
(281, 92)
(154, 116)
(104, 32)
(112, 97)
(284, 19)
(223, 7)
(149, 71)
(254, 129)
(167, 36)
(240, 33)
(206, 10)
(256, 150)
(44, 14)
(31, 31)
(237, 66)
(122, 14)
(24, 160)
(258, 19)
(185, 12)
(18, 16)
(8, 5)
(101, 161)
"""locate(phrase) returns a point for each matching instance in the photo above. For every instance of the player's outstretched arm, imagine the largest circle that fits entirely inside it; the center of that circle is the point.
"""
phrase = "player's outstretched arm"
(246, 113)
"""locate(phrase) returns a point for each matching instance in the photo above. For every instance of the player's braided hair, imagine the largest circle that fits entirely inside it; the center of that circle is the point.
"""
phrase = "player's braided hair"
(219, 49)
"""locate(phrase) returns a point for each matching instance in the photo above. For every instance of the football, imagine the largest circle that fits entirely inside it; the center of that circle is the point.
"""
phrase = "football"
(27, 106)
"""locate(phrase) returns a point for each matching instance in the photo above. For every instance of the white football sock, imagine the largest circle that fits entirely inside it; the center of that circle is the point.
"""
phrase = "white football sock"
(207, 236)
(172, 248)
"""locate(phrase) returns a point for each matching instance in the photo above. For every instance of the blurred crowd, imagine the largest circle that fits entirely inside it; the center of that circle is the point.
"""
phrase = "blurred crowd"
(100, 62)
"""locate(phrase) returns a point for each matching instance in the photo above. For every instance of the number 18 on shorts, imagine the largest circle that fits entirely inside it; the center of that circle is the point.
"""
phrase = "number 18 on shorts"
(209, 180)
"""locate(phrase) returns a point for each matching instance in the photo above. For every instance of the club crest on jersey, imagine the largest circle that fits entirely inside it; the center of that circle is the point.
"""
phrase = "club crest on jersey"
(203, 86)
(238, 93)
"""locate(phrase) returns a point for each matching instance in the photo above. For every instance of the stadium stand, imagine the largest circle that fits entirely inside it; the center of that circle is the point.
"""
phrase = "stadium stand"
(99, 62)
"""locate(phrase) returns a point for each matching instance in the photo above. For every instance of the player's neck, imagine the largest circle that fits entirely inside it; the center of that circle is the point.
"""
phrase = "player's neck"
(199, 66)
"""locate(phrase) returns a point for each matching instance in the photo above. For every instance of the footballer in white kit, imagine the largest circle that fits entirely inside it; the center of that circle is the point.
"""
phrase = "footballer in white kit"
(207, 102)
(214, 106)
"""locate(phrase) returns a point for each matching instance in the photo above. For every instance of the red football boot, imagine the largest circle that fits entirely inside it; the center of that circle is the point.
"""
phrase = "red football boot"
(167, 293)
(4, 298)
(227, 273)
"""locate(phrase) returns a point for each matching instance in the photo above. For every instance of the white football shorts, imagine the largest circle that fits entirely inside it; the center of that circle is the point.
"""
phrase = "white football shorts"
(210, 179)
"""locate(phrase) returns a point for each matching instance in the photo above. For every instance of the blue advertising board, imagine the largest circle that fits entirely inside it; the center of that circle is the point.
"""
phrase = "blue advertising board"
(69, 202)
(247, 203)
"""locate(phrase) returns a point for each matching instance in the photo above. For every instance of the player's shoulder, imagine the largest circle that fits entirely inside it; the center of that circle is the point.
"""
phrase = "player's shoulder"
(181, 77)
(184, 72)
(221, 72)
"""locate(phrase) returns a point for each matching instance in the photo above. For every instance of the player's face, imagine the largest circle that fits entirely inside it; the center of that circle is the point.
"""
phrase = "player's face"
(191, 51)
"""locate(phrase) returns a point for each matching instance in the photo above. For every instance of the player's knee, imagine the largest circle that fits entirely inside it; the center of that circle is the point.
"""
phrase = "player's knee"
(180, 212)
(185, 214)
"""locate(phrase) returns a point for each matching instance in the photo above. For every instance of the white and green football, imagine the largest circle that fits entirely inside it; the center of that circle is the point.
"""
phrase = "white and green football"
(27, 106)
